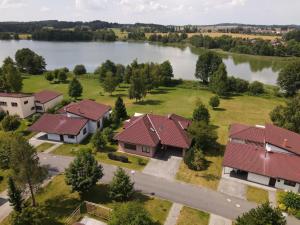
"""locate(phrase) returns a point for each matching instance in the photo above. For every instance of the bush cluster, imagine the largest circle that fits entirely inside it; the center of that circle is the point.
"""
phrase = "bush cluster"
(116, 157)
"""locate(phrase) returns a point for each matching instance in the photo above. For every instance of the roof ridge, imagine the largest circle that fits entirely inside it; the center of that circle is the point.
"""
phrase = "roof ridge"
(153, 126)
(134, 122)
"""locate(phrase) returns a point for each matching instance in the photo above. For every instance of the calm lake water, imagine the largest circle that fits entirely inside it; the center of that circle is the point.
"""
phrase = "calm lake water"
(92, 54)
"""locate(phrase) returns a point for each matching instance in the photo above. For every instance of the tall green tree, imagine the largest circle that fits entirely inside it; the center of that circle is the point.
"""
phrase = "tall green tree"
(120, 109)
(195, 159)
(14, 195)
(79, 70)
(137, 89)
(131, 213)
(49, 76)
(110, 83)
(207, 64)
(288, 116)
(31, 216)
(75, 89)
(107, 66)
(5, 150)
(62, 76)
(121, 187)
(84, 172)
(201, 113)
(24, 163)
(218, 81)
(262, 215)
(289, 78)
(98, 140)
(13, 78)
(30, 62)
(166, 72)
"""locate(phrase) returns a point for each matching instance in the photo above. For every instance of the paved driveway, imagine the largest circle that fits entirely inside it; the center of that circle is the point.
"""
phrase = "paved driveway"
(164, 167)
(90, 221)
(232, 188)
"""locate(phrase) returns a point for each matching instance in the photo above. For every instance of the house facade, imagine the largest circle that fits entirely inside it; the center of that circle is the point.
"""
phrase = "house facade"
(74, 122)
(22, 105)
(45, 100)
(268, 155)
(62, 128)
(146, 134)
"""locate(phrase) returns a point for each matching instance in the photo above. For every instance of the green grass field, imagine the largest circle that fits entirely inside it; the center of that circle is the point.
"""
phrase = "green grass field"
(190, 216)
(257, 195)
(180, 100)
(44, 146)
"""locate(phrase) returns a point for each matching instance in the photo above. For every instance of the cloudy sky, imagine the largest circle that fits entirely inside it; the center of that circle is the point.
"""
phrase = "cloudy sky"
(155, 11)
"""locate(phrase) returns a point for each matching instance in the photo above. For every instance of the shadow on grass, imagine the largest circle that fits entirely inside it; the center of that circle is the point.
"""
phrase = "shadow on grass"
(119, 95)
(219, 109)
(149, 102)
(209, 177)
(161, 91)
(215, 151)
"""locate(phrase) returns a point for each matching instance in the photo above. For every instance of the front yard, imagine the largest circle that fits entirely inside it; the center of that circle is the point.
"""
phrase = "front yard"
(189, 216)
(257, 195)
(59, 202)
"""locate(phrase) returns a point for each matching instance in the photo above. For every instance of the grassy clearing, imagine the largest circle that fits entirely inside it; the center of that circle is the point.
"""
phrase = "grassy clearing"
(134, 161)
(59, 202)
(44, 146)
(257, 195)
(180, 100)
(190, 216)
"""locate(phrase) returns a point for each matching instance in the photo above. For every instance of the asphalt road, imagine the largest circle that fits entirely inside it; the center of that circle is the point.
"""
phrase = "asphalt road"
(187, 194)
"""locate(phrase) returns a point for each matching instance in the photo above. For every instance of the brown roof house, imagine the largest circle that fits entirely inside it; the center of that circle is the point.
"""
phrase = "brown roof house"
(45, 100)
(74, 121)
(267, 155)
(145, 134)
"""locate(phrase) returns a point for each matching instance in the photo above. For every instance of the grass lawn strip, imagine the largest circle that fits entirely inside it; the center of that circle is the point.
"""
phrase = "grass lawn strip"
(3, 183)
(44, 146)
(189, 216)
(257, 195)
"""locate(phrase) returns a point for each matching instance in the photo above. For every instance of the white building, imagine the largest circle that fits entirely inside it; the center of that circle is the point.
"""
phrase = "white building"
(45, 100)
(267, 155)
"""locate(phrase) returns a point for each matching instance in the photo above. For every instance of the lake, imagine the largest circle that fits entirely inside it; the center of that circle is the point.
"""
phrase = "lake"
(183, 60)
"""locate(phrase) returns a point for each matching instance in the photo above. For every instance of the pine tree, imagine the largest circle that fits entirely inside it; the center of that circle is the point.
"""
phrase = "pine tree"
(75, 89)
(98, 140)
(120, 109)
(15, 195)
(201, 113)
(84, 172)
(121, 187)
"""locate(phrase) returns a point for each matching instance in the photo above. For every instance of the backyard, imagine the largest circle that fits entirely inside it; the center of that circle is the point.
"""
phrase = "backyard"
(180, 100)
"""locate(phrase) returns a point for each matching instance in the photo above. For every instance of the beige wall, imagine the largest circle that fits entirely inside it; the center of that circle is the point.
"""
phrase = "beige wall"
(22, 110)
(50, 104)
(138, 151)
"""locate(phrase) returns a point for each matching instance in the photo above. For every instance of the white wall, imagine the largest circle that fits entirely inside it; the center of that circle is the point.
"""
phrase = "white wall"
(79, 138)
(273, 148)
(258, 178)
(280, 184)
(227, 170)
(50, 104)
(53, 137)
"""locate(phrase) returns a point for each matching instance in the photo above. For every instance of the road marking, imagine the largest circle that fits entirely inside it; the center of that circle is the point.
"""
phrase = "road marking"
(44, 157)
(228, 200)
(237, 205)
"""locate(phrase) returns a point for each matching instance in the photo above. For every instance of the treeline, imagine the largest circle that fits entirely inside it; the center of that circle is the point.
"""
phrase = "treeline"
(74, 35)
(247, 46)
(169, 38)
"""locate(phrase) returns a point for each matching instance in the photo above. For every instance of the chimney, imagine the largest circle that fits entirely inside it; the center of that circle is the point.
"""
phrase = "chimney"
(285, 143)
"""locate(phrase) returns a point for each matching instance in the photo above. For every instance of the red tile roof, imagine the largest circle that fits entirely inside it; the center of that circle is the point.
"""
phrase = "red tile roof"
(271, 134)
(87, 108)
(58, 124)
(151, 130)
(46, 96)
(14, 95)
(257, 160)
(283, 138)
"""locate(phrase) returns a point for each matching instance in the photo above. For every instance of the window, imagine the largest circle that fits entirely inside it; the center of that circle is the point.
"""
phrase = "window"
(39, 108)
(14, 104)
(3, 103)
(26, 102)
(84, 131)
(130, 146)
(98, 124)
(146, 149)
(289, 183)
(71, 136)
(33, 108)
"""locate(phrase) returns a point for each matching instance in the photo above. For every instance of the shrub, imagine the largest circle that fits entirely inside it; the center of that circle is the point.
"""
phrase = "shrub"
(116, 157)
(79, 70)
(195, 160)
(141, 162)
(108, 134)
(291, 200)
(98, 140)
(2, 115)
(201, 113)
(1, 178)
(214, 101)
(256, 88)
(10, 123)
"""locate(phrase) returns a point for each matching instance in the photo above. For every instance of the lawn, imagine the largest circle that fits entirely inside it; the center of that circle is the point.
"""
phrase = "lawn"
(3, 182)
(134, 161)
(257, 195)
(44, 146)
(180, 100)
(190, 216)
(59, 202)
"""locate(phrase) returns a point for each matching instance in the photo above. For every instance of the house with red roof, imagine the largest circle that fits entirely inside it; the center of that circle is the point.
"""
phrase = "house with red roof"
(267, 155)
(73, 122)
(46, 99)
(146, 134)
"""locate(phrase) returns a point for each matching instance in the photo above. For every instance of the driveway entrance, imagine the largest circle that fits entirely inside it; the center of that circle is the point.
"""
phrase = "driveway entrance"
(164, 165)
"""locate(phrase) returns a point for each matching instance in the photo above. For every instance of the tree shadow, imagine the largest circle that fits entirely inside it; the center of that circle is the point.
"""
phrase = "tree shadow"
(209, 177)
(119, 95)
(216, 151)
(161, 91)
(99, 194)
(219, 109)
(149, 102)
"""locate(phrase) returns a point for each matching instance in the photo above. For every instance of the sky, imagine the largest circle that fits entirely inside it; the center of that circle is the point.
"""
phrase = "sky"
(175, 12)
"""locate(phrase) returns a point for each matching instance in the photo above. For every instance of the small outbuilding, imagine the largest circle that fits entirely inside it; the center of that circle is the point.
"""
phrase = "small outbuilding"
(46, 99)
